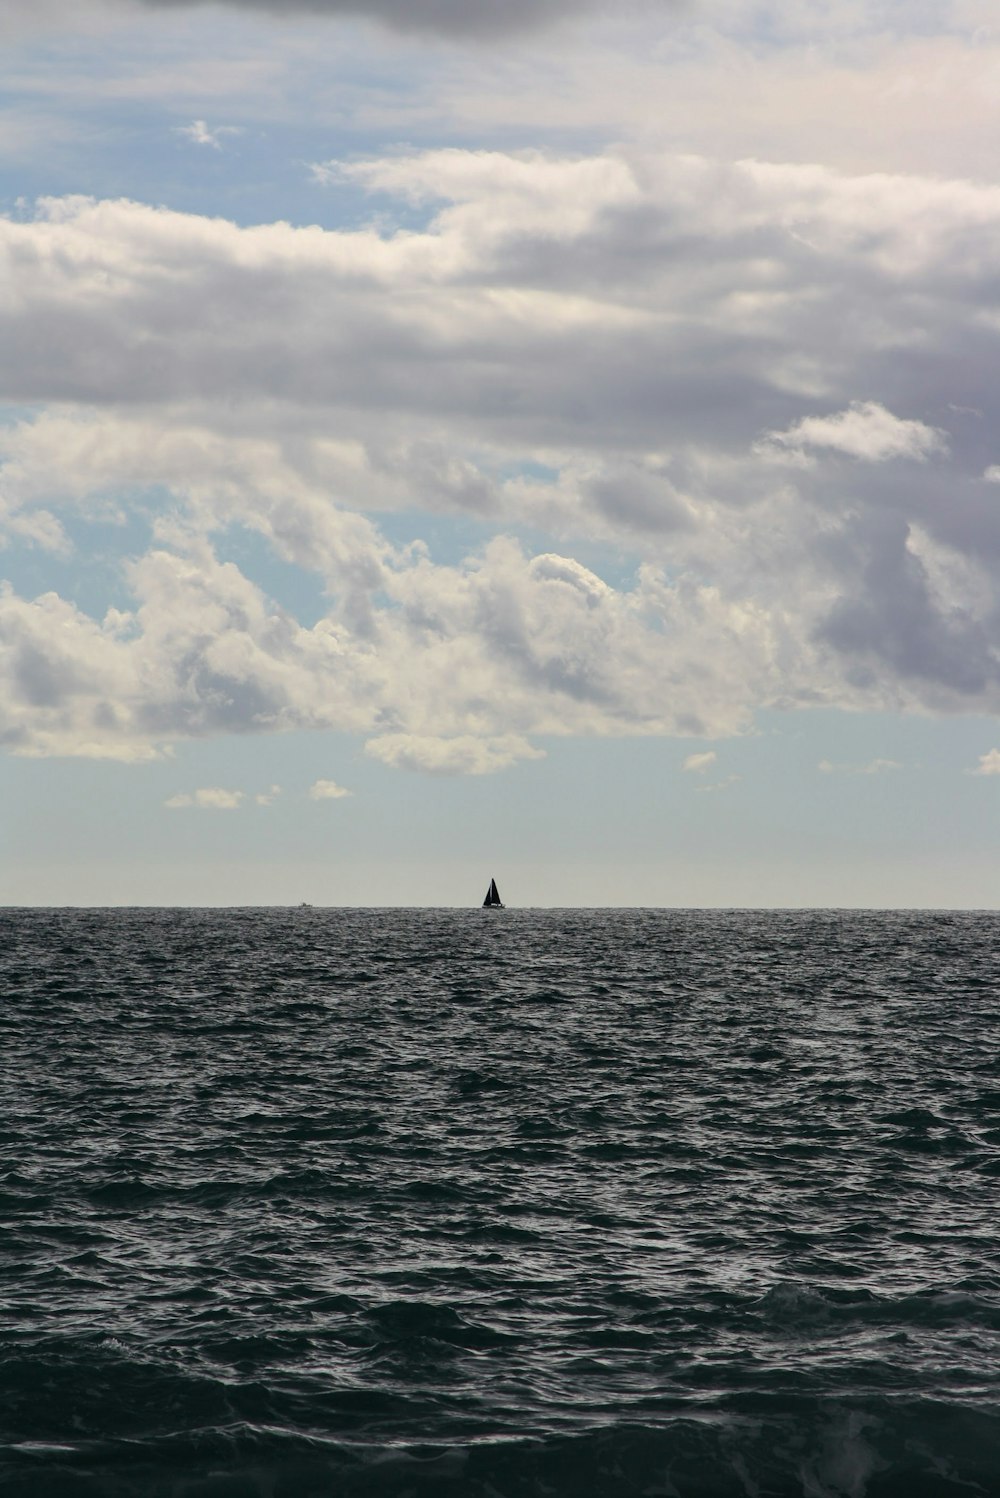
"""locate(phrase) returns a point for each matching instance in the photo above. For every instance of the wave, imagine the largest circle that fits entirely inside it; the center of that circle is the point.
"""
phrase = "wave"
(912, 1449)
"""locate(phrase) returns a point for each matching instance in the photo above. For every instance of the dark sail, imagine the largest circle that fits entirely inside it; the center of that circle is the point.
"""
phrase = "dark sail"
(493, 895)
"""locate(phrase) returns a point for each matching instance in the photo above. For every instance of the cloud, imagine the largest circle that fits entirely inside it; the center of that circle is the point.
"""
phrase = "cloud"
(699, 763)
(209, 798)
(989, 764)
(873, 767)
(866, 431)
(199, 134)
(440, 673)
(327, 790)
(463, 19)
(268, 797)
(582, 348)
(720, 785)
(626, 300)
(460, 18)
(484, 270)
(462, 755)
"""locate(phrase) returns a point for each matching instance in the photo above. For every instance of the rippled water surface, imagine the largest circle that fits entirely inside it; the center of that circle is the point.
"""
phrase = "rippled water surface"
(307, 1202)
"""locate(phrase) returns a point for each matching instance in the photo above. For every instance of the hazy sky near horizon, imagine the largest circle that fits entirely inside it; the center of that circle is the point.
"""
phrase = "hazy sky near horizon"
(444, 438)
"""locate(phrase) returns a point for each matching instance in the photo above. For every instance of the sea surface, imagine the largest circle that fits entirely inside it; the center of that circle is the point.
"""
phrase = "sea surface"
(304, 1202)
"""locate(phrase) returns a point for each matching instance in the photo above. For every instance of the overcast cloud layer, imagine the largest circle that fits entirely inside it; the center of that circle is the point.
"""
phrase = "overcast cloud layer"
(722, 431)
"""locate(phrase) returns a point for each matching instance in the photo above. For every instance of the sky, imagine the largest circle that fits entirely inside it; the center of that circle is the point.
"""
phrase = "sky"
(545, 439)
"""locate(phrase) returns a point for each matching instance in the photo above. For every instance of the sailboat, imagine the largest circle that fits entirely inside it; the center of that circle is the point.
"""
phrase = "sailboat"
(493, 900)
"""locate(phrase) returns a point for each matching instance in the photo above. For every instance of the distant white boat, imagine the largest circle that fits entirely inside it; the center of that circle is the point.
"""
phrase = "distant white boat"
(493, 900)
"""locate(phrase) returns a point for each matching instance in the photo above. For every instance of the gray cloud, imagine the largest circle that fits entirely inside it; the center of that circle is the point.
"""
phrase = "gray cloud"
(888, 621)
(466, 19)
(614, 303)
(460, 18)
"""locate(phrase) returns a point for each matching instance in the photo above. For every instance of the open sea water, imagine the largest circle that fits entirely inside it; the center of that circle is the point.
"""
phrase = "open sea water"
(298, 1203)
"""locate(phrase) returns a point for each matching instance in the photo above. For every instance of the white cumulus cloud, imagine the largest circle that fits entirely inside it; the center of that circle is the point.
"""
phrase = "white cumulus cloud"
(207, 798)
(327, 790)
(699, 763)
(866, 431)
(200, 134)
(873, 767)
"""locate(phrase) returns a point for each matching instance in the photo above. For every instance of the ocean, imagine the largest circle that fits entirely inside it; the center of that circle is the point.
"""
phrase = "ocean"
(309, 1202)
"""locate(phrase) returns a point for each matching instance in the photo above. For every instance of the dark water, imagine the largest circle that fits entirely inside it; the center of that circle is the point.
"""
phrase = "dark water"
(301, 1203)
